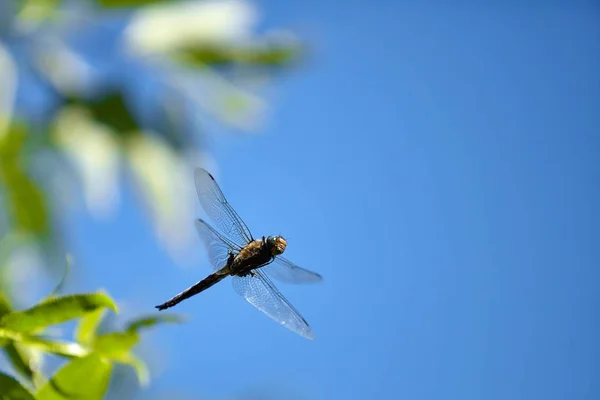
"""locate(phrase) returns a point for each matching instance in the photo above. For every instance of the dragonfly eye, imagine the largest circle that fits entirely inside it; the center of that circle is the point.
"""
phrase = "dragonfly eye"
(277, 244)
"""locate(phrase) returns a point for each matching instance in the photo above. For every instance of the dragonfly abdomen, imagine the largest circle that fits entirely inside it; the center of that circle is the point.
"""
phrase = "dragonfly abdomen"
(191, 291)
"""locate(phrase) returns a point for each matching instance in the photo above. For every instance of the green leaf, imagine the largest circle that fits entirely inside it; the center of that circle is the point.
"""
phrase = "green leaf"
(83, 378)
(37, 10)
(5, 307)
(110, 110)
(146, 322)
(127, 3)
(55, 311)
(116, 344)
(117, 347)
(25, 201)
(269, 55)
(11, 389)
(140, 368)
(21, 359)
(67, 349)
(88, 326)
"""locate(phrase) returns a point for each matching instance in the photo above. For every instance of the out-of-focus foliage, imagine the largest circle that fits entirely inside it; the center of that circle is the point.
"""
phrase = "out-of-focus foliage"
(106, 89)
(91, 353)
(83, 378)
(24, 200)
(55, 311)
(13, 390)
(92, 92)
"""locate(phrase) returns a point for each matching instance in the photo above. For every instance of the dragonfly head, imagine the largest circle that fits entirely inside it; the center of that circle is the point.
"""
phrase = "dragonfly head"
(277, 244)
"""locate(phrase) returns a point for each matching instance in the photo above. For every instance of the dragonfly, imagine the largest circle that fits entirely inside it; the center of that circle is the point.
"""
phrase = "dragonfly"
(234, 252)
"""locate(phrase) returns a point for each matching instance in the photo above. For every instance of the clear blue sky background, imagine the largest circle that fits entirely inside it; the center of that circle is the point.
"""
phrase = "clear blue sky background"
(439, 166)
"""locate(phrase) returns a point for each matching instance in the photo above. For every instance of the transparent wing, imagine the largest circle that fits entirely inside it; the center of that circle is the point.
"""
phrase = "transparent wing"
(286, 271)
(262, 294)
(218, 209)
(218, 247)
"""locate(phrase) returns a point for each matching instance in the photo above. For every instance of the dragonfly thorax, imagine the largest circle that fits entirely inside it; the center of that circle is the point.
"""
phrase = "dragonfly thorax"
(276, 244)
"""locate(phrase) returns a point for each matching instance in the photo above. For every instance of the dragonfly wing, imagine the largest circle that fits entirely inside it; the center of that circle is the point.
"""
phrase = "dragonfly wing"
(218, 209)
(218, 247)
(285, 271)
(262, 294)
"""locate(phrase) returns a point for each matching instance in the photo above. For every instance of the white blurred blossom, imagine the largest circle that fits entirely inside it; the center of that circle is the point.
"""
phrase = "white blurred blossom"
(164, 180)
(165, 27)
(94, 153)
(226, 101)
(66, 69)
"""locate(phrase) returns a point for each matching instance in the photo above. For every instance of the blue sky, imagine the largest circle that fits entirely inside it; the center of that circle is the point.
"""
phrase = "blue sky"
(436, 166)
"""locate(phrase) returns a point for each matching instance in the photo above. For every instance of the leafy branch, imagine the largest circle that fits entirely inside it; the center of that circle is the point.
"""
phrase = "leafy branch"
(90, 355)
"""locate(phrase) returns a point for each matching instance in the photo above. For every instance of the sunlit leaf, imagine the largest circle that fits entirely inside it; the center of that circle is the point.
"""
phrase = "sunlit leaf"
(117, 347)
(146, 322)
(82, 378)
(67, 349)
(11, 389)
(88, 325)
(55, 311)
(115, 344)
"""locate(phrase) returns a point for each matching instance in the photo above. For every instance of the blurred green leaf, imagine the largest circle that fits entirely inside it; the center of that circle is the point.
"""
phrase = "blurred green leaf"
(5, 306)
(272, 55)
(21, 359)
(146, 322)
(55, 311)
(110, 110)
(25, 201)
(128, 3)
(139, 366)
(37, 10)
(83, 378)
(115, 344)
(11, 389)
(88, 325)
(118, 346)
(67, 349)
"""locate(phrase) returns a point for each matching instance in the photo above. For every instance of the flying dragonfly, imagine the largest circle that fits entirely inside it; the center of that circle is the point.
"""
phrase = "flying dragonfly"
(234, 252)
